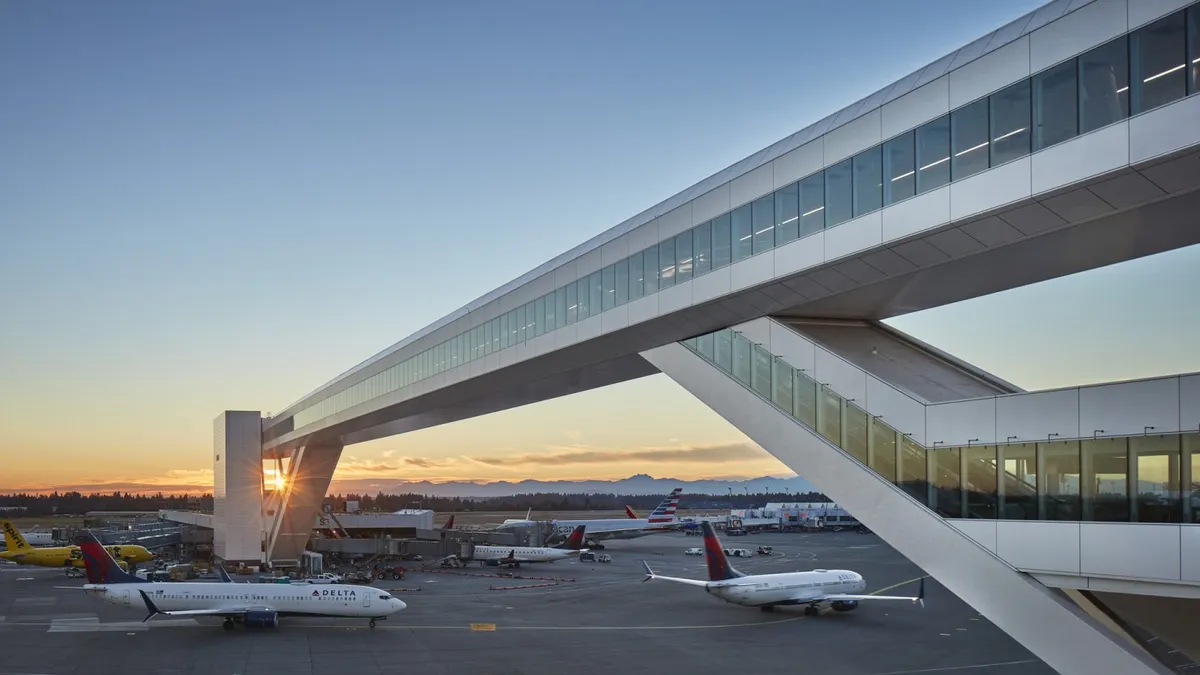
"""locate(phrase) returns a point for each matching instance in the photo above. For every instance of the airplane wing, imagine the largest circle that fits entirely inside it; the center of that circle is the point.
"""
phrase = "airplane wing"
(920, 596)
(651, 575)
(219, 611)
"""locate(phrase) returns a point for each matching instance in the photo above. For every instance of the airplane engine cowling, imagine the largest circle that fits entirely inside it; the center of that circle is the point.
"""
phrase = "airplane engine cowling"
(261, 619)
(843, 605)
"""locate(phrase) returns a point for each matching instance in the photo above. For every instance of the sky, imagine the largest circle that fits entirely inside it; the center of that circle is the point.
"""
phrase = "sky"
(210, 206)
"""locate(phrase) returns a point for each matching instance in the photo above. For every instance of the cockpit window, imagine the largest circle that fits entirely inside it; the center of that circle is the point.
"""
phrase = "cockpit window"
(385, 597)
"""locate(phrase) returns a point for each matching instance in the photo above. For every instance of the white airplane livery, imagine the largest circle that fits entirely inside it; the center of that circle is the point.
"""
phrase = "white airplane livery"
(253, 605)
(572, 547)
(841, 590)
(601, 529)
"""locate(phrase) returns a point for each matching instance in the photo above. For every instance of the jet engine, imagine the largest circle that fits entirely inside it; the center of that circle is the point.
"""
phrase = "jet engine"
(261, 619)
(843, 605)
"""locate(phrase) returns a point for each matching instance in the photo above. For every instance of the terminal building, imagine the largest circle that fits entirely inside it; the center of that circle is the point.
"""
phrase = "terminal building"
(1062, 142)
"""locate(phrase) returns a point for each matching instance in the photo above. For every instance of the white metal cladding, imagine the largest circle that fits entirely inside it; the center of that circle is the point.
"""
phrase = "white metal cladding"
(997, 59)
(1144, 10)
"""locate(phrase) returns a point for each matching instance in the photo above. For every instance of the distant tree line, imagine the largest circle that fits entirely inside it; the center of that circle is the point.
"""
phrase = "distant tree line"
(75, 503)
(643, 504)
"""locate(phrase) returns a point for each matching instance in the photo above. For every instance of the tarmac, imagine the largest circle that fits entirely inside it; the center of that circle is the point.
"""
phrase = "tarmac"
(597, 618)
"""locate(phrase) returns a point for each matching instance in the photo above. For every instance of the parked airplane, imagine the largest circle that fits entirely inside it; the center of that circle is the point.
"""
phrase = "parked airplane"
(516, 555)
(256, 605)
(838, 589)
(631, 527)
(36, 537)
(21, 552)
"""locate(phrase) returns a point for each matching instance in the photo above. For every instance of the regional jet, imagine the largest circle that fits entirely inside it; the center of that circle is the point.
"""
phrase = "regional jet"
(840, 590)
(253, 605)
(516, 555)
(602, 529)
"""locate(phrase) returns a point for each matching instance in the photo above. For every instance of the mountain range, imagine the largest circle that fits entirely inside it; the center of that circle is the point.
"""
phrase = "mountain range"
(640, 484)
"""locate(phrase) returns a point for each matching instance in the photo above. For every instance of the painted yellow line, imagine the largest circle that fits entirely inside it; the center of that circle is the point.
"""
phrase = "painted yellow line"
(888, 588)
(486, 627)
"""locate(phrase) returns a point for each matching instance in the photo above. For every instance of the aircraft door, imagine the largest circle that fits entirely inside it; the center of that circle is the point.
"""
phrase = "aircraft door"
(366, 599)
(125, 597)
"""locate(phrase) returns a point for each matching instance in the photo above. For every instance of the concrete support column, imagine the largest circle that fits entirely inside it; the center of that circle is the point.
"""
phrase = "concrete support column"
(295, 506)
(237, 486)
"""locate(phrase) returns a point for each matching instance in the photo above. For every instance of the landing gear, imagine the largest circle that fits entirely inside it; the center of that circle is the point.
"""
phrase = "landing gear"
(811, 610)
(376, 618)
(228, 624)
(767, 608)
(372, 624)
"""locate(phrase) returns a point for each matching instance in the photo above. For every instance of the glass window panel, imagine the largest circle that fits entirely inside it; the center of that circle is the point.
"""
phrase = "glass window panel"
(683, 257)
(724, 350)
(804, 403)
(741, 358)
(933, 154)
(1158, 57)
(839, 194)
(522, 324)
(829, 415)
(982, 499)
(1193, 55)
(1055, 105)
(1106, 479)
(969, 139)
(505, 336)
(763, 219)
(913, 470)
(856, 439)
(868, 181)
(496, 332)
(882, 452)
(1018, 482)
(560, 307)
(702, 249)
(1191, 449)
(787, 217)
(608, 281)
(782, 379)
(812, 204)
(1104, 85)
(583, 294)
(539, 316)
(743, 232)
(666, 263)
(1010, 123)
(722, 250)
(899, 169)
(760, 374)
(636, 278)
(596, 298)
(650, 270)
(1158, 481)
(947, 488)
(572, 303)
(704, 345)
(622, 281)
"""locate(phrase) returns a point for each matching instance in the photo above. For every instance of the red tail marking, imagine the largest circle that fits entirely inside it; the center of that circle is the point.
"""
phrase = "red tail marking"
(629, 512)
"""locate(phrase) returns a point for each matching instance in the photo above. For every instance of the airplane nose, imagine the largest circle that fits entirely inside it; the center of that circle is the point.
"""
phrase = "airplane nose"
(398, 604)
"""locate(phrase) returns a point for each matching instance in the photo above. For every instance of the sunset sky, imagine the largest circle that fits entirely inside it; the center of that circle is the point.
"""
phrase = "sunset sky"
(221, 206)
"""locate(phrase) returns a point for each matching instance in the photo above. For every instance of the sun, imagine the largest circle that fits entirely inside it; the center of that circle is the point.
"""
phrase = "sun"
(279, 482)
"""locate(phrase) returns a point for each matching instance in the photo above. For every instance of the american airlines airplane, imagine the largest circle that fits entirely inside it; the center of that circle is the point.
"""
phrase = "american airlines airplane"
(837, 589)
(254, 605)
(602, 529)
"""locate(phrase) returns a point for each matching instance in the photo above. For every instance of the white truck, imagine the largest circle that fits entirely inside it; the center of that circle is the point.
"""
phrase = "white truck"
(325, 578)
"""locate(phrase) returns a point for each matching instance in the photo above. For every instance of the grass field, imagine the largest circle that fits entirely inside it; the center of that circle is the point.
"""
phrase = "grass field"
(26, 522)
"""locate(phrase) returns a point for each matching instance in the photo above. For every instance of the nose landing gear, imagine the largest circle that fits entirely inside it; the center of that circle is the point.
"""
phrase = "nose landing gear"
(376, 618)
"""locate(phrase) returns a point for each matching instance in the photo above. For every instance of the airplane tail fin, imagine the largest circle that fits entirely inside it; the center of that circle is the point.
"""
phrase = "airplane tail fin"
(665, 511)
(100, 566)
(449, 523)
(629, 512)
(718, 565)
(575, 541)
(12, 537)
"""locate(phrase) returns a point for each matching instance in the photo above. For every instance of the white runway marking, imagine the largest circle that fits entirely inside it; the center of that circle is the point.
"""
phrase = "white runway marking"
(94, 625)
(951, 669)
(34, 602)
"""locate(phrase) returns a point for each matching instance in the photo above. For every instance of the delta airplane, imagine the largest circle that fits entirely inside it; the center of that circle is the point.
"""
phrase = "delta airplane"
(516, 555)
(838, 589)
(632, 527)
(254, 605)
(22, 553)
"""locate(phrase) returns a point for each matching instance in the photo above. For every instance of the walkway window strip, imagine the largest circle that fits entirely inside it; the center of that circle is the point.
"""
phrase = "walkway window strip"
(1137, 72)
(1151, 478)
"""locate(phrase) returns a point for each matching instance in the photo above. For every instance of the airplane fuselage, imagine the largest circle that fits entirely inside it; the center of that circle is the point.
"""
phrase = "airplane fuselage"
(70, 556)
(335, 600)
(786, 587)
(522, 554)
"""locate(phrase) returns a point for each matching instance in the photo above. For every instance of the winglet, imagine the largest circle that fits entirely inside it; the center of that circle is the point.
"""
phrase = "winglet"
(151, 610)
(649, 572)
(921, 593)
(225, 578)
